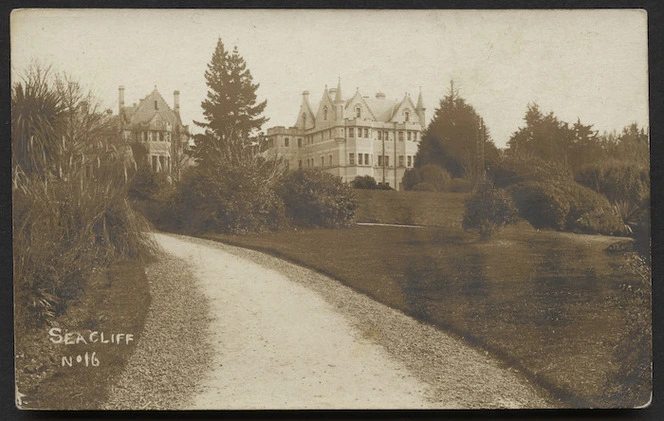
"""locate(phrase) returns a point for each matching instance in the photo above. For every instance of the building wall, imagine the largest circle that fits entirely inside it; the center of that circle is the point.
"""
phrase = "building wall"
(329, 146)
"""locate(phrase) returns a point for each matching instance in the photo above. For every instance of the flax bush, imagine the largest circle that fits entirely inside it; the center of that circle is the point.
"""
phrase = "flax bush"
(70, 175)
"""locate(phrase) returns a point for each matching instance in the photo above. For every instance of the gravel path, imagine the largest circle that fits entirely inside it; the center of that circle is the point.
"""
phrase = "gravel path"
(231, 328)
(173, 352)
(284, 336)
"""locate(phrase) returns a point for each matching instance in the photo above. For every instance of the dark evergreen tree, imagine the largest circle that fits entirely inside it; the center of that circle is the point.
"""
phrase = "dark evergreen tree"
(553, 140)
(233, 116)
(454, 138)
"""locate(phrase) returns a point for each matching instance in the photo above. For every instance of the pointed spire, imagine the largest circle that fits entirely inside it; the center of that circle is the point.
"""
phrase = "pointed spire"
(337, 96)
(420, 102)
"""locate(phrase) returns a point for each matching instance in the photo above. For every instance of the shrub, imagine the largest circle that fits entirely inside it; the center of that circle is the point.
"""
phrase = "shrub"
(436, 176)
(590, 212)
(146, 184)
(566, 206)
(315, 198)
(364, 182)
(430, 175)
(541, 204)
(226, 200)
(618, 181)
(71, 213)
(461, 185)
(424, 187)
(488, 210)
(514, 169)
(411, 178)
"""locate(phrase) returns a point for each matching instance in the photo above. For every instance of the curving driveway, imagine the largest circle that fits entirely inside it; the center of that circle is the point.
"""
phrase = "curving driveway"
(285, 337)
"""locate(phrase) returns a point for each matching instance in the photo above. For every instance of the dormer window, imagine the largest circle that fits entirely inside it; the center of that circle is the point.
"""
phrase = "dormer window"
(304, 120)
(358, 112)
(155, 105)
(325, 113)
(407, 115)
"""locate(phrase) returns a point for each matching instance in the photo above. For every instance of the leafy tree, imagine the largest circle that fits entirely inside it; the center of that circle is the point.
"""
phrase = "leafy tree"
(454, 138)
(553, 140)
(489, 209)
(232, 114)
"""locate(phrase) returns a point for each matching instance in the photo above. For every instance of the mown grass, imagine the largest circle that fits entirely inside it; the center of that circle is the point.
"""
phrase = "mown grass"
(410, 207)
(114, 301)
(560, 308)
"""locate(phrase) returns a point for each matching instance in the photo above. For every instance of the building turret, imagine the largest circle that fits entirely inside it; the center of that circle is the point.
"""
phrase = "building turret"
(339, 102)
(420, 110)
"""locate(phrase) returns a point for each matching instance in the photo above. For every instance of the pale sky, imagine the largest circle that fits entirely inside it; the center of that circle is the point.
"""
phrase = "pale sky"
(590, 65)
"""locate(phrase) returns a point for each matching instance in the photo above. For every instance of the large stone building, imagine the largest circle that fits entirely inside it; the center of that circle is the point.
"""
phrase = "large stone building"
(155, 131)
(352, 137)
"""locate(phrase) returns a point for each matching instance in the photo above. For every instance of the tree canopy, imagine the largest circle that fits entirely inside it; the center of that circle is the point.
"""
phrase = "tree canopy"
(232, 115)
(554, 140)
(456, 138)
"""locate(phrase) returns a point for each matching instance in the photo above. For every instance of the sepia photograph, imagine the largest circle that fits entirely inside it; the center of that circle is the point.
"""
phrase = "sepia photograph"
(330, 209)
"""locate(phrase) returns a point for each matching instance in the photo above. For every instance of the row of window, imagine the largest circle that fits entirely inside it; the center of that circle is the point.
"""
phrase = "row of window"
(161, 163)
(358, 113)
(410, 135)
(310, 162)
(362, 159)
(149, 136)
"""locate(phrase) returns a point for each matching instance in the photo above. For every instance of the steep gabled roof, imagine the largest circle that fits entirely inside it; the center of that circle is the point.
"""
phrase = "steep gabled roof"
(405, 103)
(145, 112)
(381, 108)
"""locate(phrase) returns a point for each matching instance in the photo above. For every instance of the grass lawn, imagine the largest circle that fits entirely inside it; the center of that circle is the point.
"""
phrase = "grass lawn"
(114, 301)
(558, 307)
(410, 207)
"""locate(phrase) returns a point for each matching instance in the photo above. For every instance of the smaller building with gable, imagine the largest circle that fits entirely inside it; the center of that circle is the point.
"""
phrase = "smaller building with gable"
(155, 131)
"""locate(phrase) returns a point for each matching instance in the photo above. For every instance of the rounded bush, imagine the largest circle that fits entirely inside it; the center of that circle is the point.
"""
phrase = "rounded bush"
(364, 182)
(314, 198)
(227, 200)
(411, 178)
(488, 210)
(438, 177)
(541, 204)
(424, 187)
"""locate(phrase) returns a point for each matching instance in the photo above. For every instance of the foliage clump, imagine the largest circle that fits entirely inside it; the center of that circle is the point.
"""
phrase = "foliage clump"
(232, 200)
(364, 182)
(489, 209)
(429, 177)
(316, 198)
(70, 181)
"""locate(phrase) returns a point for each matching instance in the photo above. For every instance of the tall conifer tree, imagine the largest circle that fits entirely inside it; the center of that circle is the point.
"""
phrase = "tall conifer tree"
(233, 116)
(451, 139)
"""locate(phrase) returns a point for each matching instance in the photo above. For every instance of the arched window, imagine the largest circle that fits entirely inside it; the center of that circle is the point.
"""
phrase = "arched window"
(407, 115)
(325, 113)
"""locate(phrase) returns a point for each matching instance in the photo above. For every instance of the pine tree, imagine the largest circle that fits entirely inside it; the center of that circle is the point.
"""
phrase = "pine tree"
(451, 139)
(232, 114)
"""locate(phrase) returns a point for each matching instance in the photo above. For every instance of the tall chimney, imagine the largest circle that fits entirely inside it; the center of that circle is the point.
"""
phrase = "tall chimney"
(176, 101)
(121, 95)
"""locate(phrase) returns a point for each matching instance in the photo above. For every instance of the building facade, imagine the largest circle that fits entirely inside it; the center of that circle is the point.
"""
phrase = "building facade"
(352, 137)
(155, 131)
